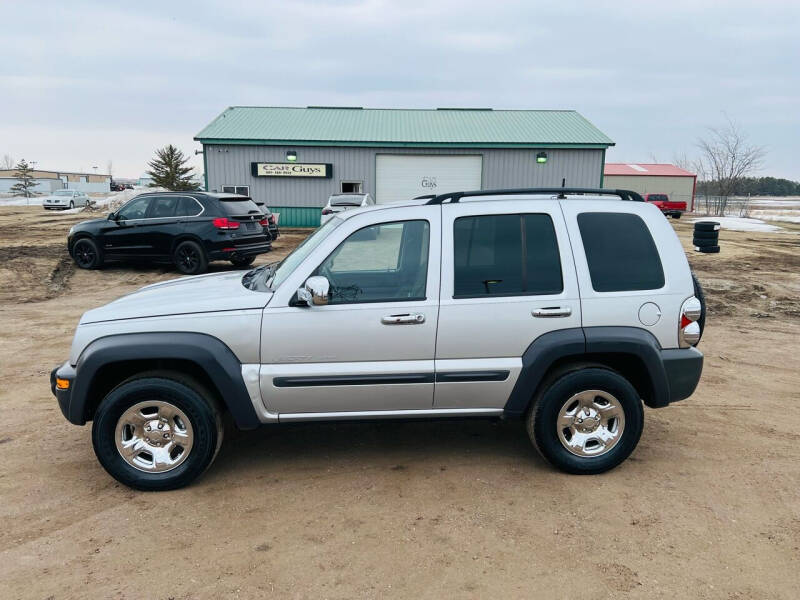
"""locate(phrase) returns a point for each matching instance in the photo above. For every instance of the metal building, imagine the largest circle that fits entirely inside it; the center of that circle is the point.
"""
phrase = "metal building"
(649, 178)
(50, 181)
(295, 158)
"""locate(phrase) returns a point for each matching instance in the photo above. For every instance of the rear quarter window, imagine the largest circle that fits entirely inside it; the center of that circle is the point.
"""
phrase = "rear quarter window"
(620, 252)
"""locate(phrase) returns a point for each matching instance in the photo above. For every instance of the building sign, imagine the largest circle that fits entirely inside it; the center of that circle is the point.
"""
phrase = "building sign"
(291, 170)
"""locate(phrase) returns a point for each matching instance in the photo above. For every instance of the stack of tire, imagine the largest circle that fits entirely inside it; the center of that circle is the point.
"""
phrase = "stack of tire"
(706, 237)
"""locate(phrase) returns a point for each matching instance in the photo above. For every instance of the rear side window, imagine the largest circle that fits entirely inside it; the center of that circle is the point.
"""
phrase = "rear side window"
(620, 252)
(187, 207)
(506, 255)
(239, 207)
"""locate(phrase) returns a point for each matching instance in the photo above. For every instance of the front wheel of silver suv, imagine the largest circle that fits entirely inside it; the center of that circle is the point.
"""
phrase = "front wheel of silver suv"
(587, 421)
(157, 431)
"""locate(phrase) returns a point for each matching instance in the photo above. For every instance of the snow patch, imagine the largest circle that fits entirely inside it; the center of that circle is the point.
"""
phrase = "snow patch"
(741, 224)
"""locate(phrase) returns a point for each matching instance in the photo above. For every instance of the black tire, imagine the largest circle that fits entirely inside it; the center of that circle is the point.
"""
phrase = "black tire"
(86, 254)
(705, 235)
(706, 226)
(243, 261)
(707, 249)
(703, 242)
(700, 295)
(676, 215)
(190, 258)
(188, 397)
(543, 415)
(71, 205)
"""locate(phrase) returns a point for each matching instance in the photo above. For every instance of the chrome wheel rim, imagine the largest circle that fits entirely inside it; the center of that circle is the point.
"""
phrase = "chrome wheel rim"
(154, 436)
(590, 423)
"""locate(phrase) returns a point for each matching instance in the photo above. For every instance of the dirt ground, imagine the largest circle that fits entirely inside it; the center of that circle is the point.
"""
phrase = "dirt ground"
(706, 507)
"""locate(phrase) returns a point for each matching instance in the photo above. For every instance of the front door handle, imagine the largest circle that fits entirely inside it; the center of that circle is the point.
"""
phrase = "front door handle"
(552, 311)
(404, 319)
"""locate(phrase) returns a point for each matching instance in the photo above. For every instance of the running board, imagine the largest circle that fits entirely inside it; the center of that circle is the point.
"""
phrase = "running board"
(430, 413)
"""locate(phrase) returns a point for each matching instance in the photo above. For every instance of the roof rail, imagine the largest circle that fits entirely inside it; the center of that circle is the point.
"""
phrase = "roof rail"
(562, 192)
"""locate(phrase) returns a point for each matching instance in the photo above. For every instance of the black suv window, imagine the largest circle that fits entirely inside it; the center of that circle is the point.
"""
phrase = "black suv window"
(187, 207)
(135, 209)
(381, 263)
(506, 255)
(162, 207)
(620, 252)
(237, 207)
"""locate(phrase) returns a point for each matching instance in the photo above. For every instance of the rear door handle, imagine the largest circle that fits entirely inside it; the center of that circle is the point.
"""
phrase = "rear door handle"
(404, 319)
(552, 311)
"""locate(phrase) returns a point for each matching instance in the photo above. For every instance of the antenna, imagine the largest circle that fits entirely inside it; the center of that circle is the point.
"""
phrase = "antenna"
(561, 196)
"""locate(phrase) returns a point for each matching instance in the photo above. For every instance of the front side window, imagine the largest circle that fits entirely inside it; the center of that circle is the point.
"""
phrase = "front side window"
(135, 209)
(620, 252)
(381, 263)
(506, 255)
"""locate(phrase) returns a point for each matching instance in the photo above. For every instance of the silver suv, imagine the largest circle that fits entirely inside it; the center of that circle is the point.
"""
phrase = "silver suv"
(566, 308)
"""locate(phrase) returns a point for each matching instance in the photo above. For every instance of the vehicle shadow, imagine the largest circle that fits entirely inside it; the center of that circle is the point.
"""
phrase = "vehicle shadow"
(379, 444)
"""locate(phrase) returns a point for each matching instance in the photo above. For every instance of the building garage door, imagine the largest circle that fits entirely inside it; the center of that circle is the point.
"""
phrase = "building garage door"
(400, 177)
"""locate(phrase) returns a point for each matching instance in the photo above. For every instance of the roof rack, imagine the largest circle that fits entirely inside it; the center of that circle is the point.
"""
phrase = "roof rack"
(562, 192)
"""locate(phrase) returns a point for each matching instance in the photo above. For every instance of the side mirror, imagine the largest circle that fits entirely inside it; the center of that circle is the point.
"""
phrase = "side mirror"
(315, 291)
(112, 216)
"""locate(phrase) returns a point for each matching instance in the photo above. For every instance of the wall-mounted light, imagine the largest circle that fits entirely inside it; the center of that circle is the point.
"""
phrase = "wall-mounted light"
(541, 158)
(291, 156)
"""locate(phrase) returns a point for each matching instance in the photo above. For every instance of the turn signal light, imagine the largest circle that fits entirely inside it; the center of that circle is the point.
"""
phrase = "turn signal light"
(62, 384)
(225, 223)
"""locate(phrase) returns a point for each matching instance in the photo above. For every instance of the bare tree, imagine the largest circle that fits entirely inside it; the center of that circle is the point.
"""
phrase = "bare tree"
(8, 162)
(726, 156)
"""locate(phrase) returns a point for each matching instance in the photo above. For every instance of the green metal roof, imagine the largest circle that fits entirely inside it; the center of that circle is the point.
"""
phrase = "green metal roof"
(343, 126)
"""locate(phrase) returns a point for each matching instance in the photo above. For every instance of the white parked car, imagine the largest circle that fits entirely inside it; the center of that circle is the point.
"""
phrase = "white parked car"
(65, 199)
(340, 202)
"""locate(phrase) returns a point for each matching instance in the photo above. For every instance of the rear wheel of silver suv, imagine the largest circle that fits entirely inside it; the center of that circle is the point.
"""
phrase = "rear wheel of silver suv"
(157, 431)
(587, 421)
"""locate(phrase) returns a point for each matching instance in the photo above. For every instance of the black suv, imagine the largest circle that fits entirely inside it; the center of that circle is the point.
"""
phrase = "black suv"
(188, 229)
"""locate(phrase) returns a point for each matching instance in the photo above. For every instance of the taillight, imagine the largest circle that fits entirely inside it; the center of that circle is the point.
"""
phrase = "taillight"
(225, 223)
(689, 328)
(326, 211)
(264, 222)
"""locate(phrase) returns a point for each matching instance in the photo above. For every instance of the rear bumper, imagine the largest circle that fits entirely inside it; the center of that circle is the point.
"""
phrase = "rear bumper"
(65, 371)
(233, 249)
(683, 367)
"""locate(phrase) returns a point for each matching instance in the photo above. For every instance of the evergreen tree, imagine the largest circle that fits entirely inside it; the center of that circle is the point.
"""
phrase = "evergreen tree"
(25, 182)
(168, 171)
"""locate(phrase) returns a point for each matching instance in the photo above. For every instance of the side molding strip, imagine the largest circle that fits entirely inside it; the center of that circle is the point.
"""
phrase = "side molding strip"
(336, 380)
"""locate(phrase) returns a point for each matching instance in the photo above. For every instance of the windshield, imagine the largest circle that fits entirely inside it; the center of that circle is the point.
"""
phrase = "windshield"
(63, 193)
(289, 264)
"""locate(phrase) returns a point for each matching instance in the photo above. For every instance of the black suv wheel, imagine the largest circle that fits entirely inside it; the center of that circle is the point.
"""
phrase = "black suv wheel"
(86, 254)
(157, 431)
(243, 261)
(587, 421)
(190, 259)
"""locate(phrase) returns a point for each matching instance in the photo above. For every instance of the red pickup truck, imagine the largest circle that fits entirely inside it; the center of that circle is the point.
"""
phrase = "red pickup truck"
(662, 201)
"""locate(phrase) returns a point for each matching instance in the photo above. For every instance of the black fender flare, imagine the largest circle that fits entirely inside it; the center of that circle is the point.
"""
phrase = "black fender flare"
(588, 342)
(218, 361)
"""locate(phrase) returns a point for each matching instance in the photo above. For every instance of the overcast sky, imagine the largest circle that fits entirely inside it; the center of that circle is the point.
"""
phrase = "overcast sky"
(82, 83)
